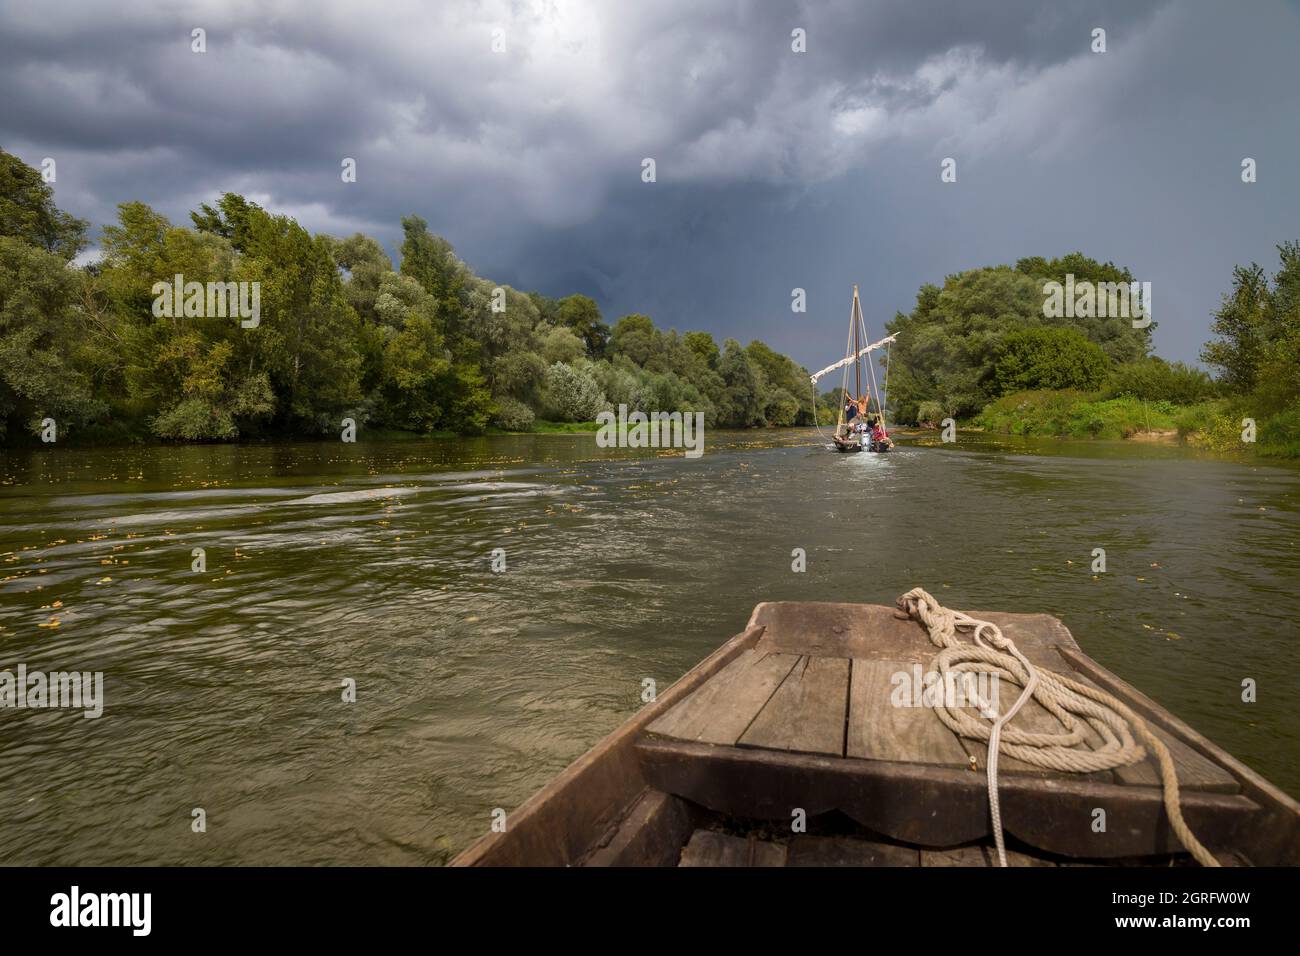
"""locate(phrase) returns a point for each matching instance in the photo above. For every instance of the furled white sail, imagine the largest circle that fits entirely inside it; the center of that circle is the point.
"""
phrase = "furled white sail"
(847, 359)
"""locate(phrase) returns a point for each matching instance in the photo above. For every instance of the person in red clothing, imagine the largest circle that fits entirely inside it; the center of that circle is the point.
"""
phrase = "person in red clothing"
(879, 437)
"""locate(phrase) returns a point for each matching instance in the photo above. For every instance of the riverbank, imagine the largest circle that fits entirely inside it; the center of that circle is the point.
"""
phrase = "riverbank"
(123, 437)
(1220, 425)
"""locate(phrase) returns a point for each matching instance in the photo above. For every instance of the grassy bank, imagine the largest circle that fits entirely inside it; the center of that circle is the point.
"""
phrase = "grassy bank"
(1215, 425)
(1071, 414)
(120, 434)
(553, 428)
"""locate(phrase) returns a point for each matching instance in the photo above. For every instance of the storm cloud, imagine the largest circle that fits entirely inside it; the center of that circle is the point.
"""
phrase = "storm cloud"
(775, 169)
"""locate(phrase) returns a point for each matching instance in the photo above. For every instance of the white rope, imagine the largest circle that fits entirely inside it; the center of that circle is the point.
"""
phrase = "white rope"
(1066, 699)
(816, 420)
(884, 396)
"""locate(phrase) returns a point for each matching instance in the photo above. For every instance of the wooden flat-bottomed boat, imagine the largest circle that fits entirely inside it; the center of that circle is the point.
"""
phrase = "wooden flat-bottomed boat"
(791, 720)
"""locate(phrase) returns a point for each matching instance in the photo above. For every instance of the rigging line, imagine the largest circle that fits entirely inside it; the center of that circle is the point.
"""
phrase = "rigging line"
(862, 320)
(844, 381)
(816, 417)
(884, 398)
(871, 368)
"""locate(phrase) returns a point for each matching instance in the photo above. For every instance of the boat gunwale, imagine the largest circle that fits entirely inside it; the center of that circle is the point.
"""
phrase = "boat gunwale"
(539, 821)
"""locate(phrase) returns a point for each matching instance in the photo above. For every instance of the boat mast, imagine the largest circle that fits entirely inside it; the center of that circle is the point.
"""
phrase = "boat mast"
(857, 359)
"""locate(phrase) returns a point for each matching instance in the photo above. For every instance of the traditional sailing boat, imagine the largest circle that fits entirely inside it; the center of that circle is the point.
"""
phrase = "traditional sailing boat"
(858, 429)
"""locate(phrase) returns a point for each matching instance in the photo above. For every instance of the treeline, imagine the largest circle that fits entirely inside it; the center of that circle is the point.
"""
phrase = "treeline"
(425, 347)
(970, 346)
(983, 334)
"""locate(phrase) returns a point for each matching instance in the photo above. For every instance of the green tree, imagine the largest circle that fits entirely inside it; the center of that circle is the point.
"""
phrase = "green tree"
(740, 405)
(1117, 337)
(38, 338)
(229, 220)
(308, 337)
(28, 213)
(573, 394)
(433, 263)
(1243, 325)
(703, 346)
(582, 315)
(1048, 358)
(417, 383)
(635, 337)
(561, 345)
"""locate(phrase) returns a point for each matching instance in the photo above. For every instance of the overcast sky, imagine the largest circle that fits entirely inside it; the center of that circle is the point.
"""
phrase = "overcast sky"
(775, 169)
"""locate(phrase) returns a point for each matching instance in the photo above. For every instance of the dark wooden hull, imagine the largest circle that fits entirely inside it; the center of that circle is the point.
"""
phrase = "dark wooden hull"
(709, 772)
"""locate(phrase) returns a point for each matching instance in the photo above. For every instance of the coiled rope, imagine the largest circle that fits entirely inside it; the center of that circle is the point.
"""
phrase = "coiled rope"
(1066, 699)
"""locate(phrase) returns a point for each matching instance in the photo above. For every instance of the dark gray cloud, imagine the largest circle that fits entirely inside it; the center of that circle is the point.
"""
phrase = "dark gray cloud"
(775, 169)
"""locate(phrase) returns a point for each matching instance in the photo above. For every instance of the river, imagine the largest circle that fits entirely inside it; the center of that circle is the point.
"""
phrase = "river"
(373, 563)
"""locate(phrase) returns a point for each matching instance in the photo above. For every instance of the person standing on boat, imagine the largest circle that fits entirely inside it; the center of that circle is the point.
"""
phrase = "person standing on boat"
(853, 407)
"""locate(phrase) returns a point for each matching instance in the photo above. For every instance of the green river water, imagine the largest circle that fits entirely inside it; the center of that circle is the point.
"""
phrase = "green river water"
(330, 561)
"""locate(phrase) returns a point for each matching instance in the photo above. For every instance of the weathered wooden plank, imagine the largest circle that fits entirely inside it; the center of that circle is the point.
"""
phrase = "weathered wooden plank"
(651, 834)
(980, 855)
(1016, 858)
(1194, 771)
(723, 708)
(711, 848)
(874, 631)
(942, 806)
(559, 823)
(806, 713)
(808, 850)
(956, 856)
(878, 730)
(841, 630)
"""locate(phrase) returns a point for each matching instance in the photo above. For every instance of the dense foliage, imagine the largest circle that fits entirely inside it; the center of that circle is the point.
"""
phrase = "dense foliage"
(980, 347)
(1257, 350)
(426, 347)
(950, 344)
(1154, 379)
(1050, 357)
